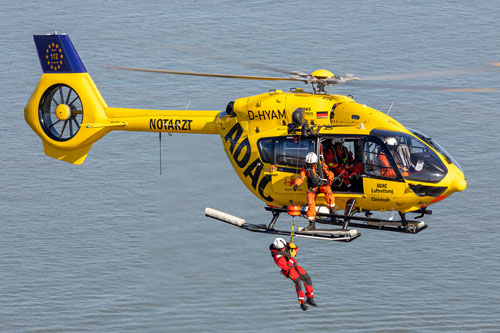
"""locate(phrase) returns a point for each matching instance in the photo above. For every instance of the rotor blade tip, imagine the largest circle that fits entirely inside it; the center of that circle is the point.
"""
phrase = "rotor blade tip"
(470, 89)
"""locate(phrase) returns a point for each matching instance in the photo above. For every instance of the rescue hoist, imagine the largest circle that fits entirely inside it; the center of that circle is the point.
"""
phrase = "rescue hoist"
(298, 128)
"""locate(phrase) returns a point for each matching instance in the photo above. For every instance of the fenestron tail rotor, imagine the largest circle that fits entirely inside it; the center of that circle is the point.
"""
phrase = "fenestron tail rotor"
(60, 112)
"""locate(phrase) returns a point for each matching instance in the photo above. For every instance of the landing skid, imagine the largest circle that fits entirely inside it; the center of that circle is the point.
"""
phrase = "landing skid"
(345, 220)
(342, 235)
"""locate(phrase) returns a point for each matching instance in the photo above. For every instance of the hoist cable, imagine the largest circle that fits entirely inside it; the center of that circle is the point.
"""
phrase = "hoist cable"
(295, 192)
(297, 167)
(159, 136)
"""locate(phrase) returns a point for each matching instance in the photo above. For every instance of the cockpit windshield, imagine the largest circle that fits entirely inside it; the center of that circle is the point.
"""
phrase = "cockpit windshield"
(436, 146)
(414, 159)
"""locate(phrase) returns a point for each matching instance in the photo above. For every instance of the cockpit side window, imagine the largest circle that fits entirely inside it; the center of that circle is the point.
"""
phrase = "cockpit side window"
(376, 161)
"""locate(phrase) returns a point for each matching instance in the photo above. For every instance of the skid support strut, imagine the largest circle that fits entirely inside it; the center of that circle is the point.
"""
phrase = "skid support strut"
(276, 214)
(349, 211)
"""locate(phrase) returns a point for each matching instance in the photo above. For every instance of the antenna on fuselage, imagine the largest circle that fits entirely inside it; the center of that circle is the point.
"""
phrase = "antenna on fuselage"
(390, 108)
(159, 137)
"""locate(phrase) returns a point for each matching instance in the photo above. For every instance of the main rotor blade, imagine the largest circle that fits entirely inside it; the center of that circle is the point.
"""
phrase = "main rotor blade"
(428, 88)
(228, 58)
(490, 67)
(228, 76)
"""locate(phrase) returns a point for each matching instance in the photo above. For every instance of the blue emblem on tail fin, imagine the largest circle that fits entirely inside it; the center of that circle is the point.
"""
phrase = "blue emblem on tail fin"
(57, 54)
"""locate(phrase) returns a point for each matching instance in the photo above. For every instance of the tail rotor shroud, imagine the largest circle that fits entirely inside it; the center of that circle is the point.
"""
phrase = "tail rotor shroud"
(60, 112)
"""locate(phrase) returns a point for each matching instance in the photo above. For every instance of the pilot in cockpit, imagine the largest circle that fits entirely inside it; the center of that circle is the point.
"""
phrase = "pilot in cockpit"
(401, 157)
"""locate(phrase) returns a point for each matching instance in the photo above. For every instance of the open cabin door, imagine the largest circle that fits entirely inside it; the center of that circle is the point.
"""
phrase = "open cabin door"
(287, 154)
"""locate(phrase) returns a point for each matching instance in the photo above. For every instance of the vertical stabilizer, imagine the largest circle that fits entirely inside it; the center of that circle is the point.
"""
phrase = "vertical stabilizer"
(57, 54)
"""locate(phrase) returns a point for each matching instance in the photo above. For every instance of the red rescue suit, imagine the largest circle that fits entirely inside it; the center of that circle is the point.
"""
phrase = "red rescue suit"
(291, 269)
(313, 188)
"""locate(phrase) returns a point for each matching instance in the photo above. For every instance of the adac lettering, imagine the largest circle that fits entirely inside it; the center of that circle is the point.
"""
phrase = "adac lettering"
(170, 124)
(241, 154)
(266, 114)
(382, 188)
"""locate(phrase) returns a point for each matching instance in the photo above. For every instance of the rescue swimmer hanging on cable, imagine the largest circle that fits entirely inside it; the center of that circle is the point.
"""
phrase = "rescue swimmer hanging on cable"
(284, 254)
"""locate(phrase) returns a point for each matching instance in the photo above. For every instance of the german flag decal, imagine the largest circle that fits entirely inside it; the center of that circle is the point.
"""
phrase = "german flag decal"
(321, 114)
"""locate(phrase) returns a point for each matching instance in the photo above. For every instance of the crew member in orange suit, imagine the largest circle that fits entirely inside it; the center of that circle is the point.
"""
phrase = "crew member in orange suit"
(338, 158)
(283, 254)
(355, 169)
(387, 170)
(319, 178)
(329, 155)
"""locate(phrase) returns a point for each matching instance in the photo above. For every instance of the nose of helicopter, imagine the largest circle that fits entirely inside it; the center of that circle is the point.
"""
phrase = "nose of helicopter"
(458, 183)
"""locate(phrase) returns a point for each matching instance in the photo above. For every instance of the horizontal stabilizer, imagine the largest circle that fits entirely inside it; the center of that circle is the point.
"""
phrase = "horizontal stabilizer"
(74, 156)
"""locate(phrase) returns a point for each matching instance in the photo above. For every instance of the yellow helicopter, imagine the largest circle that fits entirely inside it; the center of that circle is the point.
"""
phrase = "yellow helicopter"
(266, 138)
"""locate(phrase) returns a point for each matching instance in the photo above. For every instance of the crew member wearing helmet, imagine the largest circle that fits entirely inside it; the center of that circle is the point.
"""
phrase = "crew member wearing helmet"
(387, 170)
(319, 178)
(283, 254)
(338, 157)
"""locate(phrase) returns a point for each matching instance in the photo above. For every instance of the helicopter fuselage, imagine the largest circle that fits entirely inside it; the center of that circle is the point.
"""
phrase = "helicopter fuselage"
(268, 157)
(266, 137)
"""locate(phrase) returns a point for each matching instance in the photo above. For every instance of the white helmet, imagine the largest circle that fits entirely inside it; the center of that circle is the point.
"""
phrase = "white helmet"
(279, 243)
(311, 158)
(390, 141)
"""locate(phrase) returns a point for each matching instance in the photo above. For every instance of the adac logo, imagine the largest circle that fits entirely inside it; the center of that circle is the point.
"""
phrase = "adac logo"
(54, 56)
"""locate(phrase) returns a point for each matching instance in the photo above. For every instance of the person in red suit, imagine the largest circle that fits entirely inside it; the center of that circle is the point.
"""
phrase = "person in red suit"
(283, 254)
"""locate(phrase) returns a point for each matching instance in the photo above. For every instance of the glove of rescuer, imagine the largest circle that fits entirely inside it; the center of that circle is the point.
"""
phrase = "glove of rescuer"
(293, 249)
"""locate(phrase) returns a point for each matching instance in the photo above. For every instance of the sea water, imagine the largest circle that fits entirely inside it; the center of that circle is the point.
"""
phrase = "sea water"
(115, 246)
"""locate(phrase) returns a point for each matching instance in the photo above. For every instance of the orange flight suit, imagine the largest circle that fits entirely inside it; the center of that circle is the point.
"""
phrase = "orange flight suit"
(387, 170)
(313, 189)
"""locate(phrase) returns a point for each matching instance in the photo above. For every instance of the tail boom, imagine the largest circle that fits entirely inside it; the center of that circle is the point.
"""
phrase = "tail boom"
(67, 111)
(172, 121)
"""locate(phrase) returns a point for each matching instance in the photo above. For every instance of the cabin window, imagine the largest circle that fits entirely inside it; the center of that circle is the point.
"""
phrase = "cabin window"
(285, 150)
(266, 150)
(343, 156)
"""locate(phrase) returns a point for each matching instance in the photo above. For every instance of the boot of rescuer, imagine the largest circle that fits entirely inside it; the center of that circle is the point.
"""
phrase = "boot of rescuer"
(311, 301)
